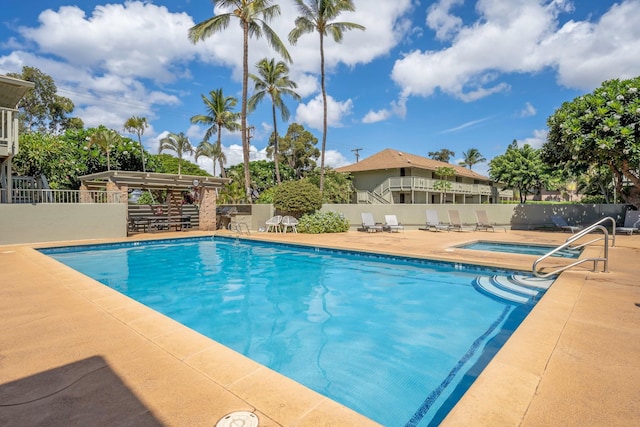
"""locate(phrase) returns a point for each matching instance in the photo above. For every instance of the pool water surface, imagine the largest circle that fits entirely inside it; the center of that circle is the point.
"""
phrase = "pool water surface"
(396, 339)
(520, 248)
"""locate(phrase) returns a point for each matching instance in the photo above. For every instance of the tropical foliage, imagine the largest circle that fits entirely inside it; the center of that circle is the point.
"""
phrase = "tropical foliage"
(443, 155)
(471, 157)
(254, 16)
(323, 222)
(297, 150)
(600, 129)
(297, 198)
(443, 184)
(179, 144)
(219, 116)
(273, 80)
(318, 16)
(137, 126)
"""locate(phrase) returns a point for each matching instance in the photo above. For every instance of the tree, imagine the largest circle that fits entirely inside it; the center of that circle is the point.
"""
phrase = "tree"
(262, 175)
(316, 17)
(297, 198)
(105, 139)
(42, 109)
(520, 168)
(273, 81)
(471, 157)
(137, 125)
(337, 185)
(166, 163)
(178, 143)
(48, 155)
(443, 184)
(442, 155)
(600, 129)
(254, 16)
(213, 152)
(298, 150)
(219, 116)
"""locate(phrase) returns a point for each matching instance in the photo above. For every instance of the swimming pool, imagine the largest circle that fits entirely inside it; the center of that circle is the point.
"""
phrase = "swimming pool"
(520, 248)
(396, 339)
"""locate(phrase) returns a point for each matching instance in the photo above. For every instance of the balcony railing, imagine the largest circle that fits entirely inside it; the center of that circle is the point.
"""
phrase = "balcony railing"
(414, 183)
(8, 132)
(34, 196)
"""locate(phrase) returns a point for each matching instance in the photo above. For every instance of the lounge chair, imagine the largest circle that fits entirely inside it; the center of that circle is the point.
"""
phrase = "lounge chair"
(433, 222)
(368, 223)
(289, 222)
(456, 223)
(391, 224)
(631, 223)
(273, 223)
(483, 222)
(561, 223)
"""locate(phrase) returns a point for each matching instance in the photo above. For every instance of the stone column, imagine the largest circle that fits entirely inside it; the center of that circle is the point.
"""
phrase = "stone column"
(207, 209)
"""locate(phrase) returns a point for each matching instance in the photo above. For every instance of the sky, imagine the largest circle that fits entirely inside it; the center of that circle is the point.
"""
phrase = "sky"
(423, 76)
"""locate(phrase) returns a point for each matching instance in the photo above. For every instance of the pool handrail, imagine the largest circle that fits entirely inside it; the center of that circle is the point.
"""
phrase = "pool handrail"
(593, 227)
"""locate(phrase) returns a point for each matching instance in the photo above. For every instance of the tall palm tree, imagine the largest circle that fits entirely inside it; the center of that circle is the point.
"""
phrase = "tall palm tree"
(273, 81)
(219, 116)
(213, 152)
(137, 125)
(254, 16)
(178, 143)
(471, 157)
(105, 139)
(317, 16)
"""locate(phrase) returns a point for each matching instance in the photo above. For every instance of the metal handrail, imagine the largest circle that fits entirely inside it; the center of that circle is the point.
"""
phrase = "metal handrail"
(567, 243)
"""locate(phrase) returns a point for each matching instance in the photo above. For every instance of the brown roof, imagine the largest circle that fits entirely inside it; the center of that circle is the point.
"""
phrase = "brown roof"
(390, 159)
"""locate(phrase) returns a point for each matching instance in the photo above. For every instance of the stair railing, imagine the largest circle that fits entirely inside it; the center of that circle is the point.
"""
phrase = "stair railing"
(593, 227)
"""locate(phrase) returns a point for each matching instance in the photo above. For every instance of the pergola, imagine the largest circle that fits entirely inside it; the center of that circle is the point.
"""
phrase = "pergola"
(205, 188)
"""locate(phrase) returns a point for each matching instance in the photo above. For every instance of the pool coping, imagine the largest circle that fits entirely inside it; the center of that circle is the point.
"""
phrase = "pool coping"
(515, 378)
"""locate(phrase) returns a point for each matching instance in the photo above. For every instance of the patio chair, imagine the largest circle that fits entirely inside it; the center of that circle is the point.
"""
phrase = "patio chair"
(391, 224)
(433, 222)
(368, 223)
(561, 223)
(273, 223)
(483, 222)
(456, 223)
(631, 223)
(289, 222)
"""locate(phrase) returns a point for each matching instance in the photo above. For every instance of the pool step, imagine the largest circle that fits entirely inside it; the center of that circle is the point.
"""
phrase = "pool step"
(532, 281)
(510, 288)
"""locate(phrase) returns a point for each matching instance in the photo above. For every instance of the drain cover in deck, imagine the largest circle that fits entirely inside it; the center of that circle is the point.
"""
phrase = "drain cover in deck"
(239, 419)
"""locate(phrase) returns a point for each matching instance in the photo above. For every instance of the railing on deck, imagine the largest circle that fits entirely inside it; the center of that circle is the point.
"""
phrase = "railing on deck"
(8, 132)
(33, 196)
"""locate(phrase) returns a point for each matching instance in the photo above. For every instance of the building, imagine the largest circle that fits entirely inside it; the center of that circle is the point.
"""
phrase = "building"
(392, 176)
(11, 92)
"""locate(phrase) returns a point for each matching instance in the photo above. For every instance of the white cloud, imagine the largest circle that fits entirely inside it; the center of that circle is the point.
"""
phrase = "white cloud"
(528, 110)
(311, 114)
(520, 36)
(397, 108)
(470, 123)
(539, 137)
(334, 159)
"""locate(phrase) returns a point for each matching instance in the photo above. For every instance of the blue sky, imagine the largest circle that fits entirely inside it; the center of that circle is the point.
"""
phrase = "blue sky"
(425, 75)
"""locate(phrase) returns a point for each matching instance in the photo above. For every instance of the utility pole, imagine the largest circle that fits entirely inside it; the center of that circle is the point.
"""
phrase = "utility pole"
(357, 151)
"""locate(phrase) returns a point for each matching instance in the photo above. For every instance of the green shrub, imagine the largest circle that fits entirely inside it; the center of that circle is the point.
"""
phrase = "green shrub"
(323, 222)
(297, 198)
(593, 199)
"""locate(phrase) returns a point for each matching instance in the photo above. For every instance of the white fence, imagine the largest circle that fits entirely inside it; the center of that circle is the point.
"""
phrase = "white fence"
(36, 196)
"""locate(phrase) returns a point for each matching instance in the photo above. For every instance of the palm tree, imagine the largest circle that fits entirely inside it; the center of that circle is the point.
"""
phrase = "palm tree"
(471, 157)
(213, 152)
(273, 81)
(254, 16)
(105, 139)
(317, 16)
(219, 116)
(178, 143)
(137, 125)
(443, 155)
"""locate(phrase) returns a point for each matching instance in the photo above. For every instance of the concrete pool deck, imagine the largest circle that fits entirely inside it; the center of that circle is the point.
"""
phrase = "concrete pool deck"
(75, 352)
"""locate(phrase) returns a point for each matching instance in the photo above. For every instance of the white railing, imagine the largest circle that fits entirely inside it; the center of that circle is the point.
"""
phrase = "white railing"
(8, 132)
(34, 196)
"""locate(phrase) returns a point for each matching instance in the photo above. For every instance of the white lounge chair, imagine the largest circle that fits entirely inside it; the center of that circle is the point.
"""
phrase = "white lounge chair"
(631, 223)
(273, 223)
(433, 222)
(368, 223)
(456, 223)
(561, 223)
(391, 224)
(289, 222)
(483, 222)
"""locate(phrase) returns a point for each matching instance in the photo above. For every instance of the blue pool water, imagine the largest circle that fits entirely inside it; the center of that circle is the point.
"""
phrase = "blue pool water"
(396, 339)
(521, 248)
